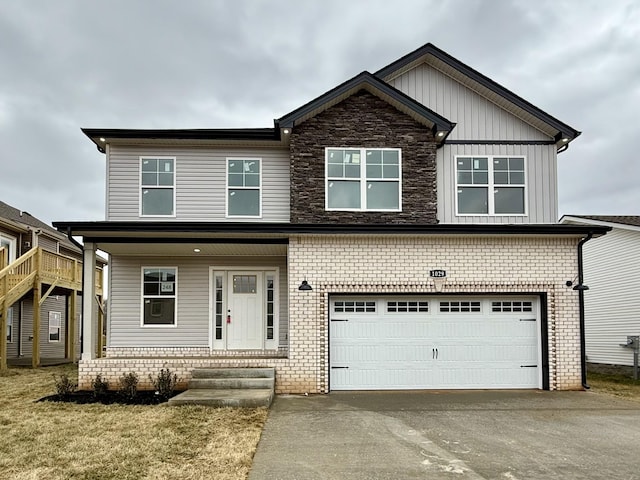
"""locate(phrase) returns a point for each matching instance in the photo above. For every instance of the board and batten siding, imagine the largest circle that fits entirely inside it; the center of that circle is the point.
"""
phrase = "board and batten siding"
(541, 183)
(192, 329)
(477, 118)
(200, 182)
(612, 303)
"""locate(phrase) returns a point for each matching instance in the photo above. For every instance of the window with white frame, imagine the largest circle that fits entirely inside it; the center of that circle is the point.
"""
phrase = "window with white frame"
(243, 187)
(159, 293)
(157, 186)
(365, 179)
(10, 325)
(55, 326)
(490, 185)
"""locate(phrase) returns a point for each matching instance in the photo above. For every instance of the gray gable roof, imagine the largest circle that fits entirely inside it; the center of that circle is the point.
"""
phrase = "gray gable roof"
(633, 220)
(25, 218)
(375, 85)
(564, 130)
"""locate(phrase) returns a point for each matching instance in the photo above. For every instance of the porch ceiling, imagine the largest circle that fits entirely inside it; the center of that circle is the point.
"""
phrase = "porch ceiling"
(190, 249)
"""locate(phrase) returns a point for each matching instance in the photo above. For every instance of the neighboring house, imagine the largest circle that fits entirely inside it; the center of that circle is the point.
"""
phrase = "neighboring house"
(397, 232)
(612, 272)
(32, 253)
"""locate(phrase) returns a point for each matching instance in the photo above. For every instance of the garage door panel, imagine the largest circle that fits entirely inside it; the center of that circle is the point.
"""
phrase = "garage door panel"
(468, 345)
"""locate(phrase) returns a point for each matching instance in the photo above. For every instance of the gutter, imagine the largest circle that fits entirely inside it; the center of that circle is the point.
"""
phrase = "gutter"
(581, 289)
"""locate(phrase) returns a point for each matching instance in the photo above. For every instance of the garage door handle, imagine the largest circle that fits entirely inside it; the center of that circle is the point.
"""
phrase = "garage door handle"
(336, 368)
(528, 366)
(527, 319)
(339, 319)
(434, 353)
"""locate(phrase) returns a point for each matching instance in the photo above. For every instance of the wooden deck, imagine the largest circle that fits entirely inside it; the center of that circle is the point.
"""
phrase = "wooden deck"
(41, 272)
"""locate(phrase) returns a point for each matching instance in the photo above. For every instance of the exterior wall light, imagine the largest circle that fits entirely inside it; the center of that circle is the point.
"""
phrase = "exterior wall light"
(304, 286)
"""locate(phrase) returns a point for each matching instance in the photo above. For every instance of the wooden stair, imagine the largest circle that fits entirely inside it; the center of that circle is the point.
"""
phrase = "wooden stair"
(31, 272)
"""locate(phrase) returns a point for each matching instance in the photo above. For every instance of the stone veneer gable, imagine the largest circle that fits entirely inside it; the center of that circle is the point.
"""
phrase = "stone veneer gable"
(363, 120)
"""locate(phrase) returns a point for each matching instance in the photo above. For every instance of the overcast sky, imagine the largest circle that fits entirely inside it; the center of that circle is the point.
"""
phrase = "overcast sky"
(68, 64)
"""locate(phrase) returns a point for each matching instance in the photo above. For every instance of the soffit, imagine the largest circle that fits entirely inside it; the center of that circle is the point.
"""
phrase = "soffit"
(188, 249)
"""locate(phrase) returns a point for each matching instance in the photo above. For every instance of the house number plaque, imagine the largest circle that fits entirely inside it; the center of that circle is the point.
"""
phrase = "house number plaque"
(437, 273)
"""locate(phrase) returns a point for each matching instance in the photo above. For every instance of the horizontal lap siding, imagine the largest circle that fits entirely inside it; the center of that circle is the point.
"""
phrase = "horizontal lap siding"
(48, 244)
(47, 349)
(477, 118)
(200, 182)
(612, 304)
(193, 299)
(541, 178)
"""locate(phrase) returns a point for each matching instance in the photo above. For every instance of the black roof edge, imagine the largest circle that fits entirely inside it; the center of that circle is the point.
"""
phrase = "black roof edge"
(297, 228)
(564, 129)
(438, 120)
(264, 134)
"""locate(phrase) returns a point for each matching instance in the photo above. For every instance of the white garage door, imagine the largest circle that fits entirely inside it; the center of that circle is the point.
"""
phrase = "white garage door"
(434, 342)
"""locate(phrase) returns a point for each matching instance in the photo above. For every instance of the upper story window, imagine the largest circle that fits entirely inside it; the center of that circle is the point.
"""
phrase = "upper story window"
(244, 187)
(157, 187)
(490, 185)
(366, 179)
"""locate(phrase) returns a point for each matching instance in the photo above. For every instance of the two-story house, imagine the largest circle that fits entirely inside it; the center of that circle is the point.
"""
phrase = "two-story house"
(397, 232)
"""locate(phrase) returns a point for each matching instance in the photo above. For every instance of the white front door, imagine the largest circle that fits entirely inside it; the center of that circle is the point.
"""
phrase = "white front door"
(245, 317)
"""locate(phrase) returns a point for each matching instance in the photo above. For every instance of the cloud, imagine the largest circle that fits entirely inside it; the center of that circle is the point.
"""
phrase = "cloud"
(200, 64)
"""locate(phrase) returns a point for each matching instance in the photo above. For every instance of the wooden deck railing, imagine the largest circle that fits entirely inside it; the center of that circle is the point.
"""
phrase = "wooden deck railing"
(17, 278)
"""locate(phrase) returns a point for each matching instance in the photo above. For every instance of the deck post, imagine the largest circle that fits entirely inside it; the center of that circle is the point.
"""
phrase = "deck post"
(3, 326)
(37, 292)
(88, 301)
(100, 345)
(70, 349)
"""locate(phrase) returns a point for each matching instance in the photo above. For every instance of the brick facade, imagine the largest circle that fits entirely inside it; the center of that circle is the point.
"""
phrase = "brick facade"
(362, 120)
(384, 265)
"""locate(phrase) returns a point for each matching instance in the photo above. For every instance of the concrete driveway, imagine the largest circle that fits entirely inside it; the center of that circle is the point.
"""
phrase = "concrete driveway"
(462, 435)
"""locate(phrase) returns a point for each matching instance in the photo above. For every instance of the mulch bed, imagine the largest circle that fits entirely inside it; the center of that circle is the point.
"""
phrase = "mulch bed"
(110, 398)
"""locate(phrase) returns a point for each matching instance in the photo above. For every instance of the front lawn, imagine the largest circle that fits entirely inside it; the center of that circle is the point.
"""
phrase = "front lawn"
(62, 440)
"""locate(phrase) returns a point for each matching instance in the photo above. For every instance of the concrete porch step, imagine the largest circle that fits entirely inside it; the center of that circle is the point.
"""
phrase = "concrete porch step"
(249, 398)
(232, 382)
(234, 373)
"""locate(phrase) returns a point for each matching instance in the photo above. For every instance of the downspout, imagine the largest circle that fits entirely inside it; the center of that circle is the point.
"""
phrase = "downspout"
(583, 353)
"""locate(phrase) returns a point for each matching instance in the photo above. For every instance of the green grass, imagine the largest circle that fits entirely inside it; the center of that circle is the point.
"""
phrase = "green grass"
(70, 441)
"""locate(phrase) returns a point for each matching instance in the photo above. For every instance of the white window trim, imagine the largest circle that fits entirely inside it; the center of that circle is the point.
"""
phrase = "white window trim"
(13, 241)
(140, 186)
(221, 345)
(59, 327)
(143, 296)
(226, 190)
(491, 186)
(363, 180)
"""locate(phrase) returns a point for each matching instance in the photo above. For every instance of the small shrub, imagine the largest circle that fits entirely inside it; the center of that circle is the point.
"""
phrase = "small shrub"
(99, 386)
(64, 385)
(128, 384)
(164, 383)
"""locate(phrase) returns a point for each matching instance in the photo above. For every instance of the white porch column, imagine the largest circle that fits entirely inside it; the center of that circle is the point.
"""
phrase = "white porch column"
(88, 300)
